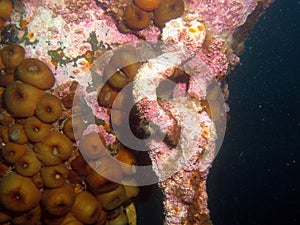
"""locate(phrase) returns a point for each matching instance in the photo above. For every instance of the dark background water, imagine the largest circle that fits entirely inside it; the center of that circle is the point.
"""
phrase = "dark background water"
(255, 177)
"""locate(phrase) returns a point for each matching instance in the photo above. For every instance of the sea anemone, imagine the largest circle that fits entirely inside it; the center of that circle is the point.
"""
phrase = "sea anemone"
(49, 109)
(81, 167)
(38, 181)
(12, 55)
(105, 177)
(4, 134)
(6, 118)
(69, 219)
(131, 191)
(11, 152)
(86, 208)
(126, 61)
(21, 99)
(92, 146)
(28, 165)
(147, 5)
(54, 176)
(36, 73)
(55, 149)
(31, 217)
(68, 100)
(6, 7)
(18, 193)
(35, 129)
(73, 128)
(6, 77)
(58, 201)
(136, 18)
(168, 10)
(107, 96)
(113, 199)
(128, 160)
(17, 134)
(121, 219)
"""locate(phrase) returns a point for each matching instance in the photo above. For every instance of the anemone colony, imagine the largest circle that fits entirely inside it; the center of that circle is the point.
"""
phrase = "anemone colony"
(138, 16)
(55, 161)
(40, 167)
(44, 179)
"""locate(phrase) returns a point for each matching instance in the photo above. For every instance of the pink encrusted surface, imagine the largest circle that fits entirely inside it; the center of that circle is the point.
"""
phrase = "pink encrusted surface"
(184, 176)
(222, 15)
(55, 25)
(115, 8)
(67, 26)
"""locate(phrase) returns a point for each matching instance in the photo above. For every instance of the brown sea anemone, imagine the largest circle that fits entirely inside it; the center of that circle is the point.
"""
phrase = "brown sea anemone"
(107, 96)
(73, 128)
(106, 176)
(28, 165)
(116, 78)
(126, 61)
(6, 78)
(113, 199)
(69, 219)
(46, 154)
(73, 177)
(168, 10)
(136, 18)
(6, 118)
(18, 193)
(4, 134)
(55, 149)
(36, 73)
(121, 219)
(58, 201)
(92, 146)
(6, 7)
(81, 167)
(11, 152)
(97, 184)
(12, 55)
(31, 217)
(128, 160)
(131, 191)
(21, 99)
(118, 117)
(38, 181)
(48, 219)
(86, 208)
(69, 100)
(147, 5)
(35, 129)
(54, 176)
(17, 134)
(49, 109)
(102, 218)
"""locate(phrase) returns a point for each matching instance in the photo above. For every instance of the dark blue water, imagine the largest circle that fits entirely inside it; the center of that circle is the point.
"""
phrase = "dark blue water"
(255, 177)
